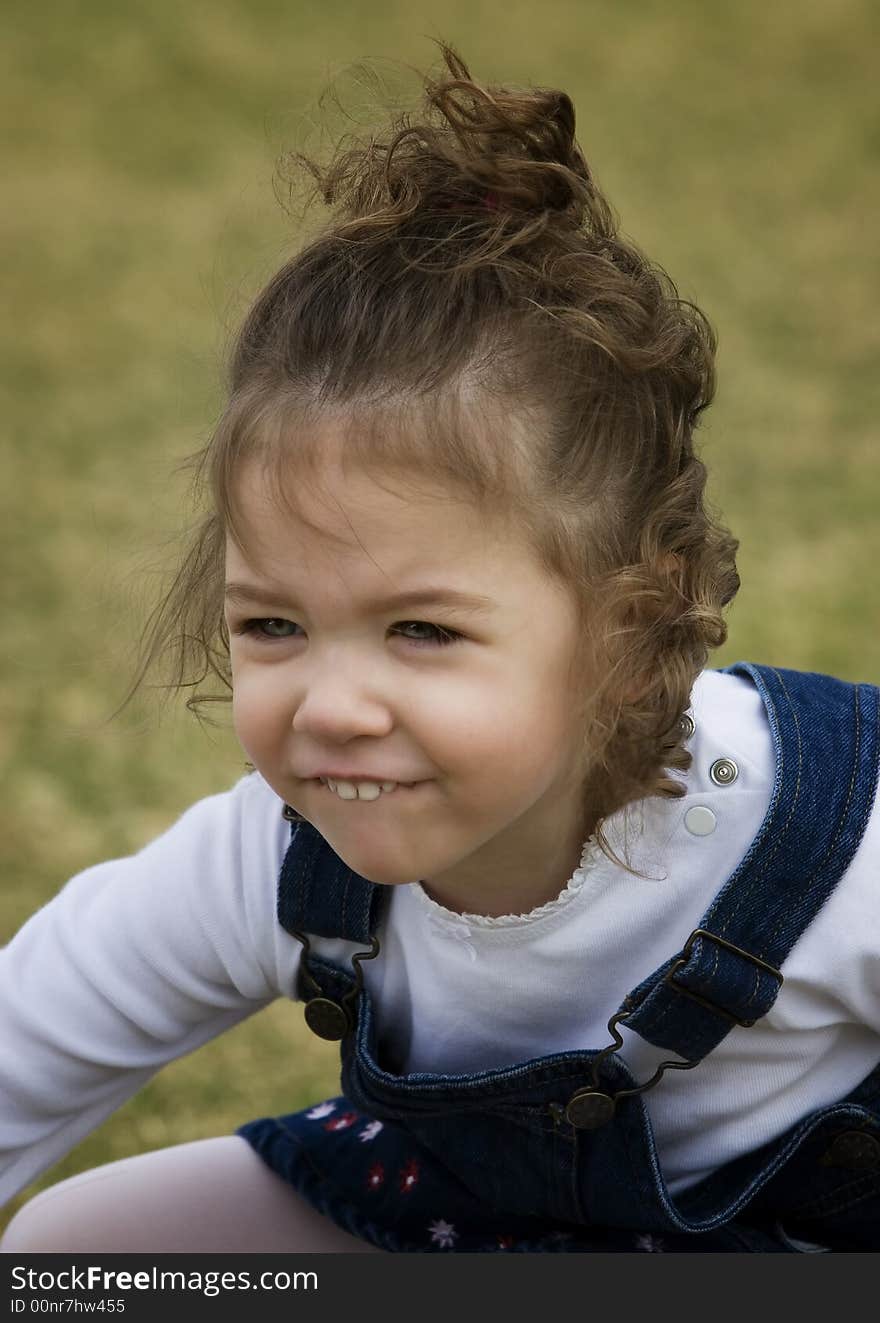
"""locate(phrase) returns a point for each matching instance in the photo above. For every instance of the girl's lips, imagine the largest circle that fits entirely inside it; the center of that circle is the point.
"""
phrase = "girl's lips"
(357, 780)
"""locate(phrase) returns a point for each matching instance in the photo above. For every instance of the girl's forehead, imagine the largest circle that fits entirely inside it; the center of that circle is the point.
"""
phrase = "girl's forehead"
(376, 527)
(340, 474)
(342, 507)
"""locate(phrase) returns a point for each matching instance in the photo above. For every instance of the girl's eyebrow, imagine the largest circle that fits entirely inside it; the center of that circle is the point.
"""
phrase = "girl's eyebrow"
(472, 603)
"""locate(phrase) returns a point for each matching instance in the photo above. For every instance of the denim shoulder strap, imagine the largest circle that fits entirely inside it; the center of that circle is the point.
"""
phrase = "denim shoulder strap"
(825, 733)
(319, 894)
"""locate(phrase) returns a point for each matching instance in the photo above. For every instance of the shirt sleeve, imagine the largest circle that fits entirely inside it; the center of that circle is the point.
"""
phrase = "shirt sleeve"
(136, 962)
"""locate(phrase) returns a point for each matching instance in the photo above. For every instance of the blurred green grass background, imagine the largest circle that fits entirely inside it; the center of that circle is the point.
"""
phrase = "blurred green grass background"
(740, 144)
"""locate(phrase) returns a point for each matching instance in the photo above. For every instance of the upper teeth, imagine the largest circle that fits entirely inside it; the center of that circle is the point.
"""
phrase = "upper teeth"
(361, 790)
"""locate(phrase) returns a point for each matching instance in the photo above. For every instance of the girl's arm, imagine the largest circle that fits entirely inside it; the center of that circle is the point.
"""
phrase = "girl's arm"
(135, 962)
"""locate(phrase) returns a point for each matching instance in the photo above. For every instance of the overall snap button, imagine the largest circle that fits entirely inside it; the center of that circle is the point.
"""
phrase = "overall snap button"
(724, 771)
(700, 821)
(855, 1150)
(589, 1109)
(326, 1019)
(686, 725)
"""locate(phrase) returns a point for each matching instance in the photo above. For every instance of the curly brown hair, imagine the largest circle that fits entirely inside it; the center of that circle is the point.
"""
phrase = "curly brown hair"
(471, 312)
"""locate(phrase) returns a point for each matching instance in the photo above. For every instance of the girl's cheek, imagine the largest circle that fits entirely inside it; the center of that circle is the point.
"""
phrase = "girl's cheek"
(248, 710)
(257, 706)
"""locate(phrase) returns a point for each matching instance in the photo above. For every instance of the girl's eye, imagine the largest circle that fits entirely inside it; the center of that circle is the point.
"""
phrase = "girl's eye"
(274, 628)
(442, 637)
(267, 628)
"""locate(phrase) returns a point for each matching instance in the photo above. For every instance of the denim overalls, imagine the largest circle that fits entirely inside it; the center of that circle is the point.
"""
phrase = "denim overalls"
(556, 1153)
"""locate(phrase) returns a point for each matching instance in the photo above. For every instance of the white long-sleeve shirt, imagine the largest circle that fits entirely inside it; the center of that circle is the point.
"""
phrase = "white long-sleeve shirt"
(138, 961)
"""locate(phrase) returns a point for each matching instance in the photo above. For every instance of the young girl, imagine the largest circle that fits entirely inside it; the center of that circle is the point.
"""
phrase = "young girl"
(595, 926)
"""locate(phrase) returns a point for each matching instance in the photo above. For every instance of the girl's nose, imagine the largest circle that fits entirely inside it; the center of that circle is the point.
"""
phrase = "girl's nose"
(339, 706)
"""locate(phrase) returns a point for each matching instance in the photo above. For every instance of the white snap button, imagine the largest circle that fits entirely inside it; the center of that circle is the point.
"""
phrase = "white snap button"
(700, 821)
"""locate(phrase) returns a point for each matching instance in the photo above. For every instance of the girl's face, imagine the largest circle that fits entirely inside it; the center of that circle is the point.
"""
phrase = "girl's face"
(331, 675)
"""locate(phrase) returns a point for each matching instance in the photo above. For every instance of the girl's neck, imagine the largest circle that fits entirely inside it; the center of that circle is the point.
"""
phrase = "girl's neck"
(515, 885)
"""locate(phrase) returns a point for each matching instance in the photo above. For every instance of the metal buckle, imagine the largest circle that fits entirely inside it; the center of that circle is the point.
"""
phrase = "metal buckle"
(327, 1018)
(728, 946)
(590, 1108)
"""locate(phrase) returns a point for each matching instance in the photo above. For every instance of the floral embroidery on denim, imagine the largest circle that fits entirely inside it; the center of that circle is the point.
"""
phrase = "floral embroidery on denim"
(323, 1109)
(376, 1176)
(341, 1122)
(409, 1176)
(443, 1233)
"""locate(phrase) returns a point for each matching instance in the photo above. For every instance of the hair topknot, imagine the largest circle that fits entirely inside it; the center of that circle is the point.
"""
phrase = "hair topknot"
(470, 140)
(470, 310)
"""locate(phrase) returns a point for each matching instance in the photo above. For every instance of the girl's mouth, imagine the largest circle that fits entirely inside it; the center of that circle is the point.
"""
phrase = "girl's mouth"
(364, 790)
